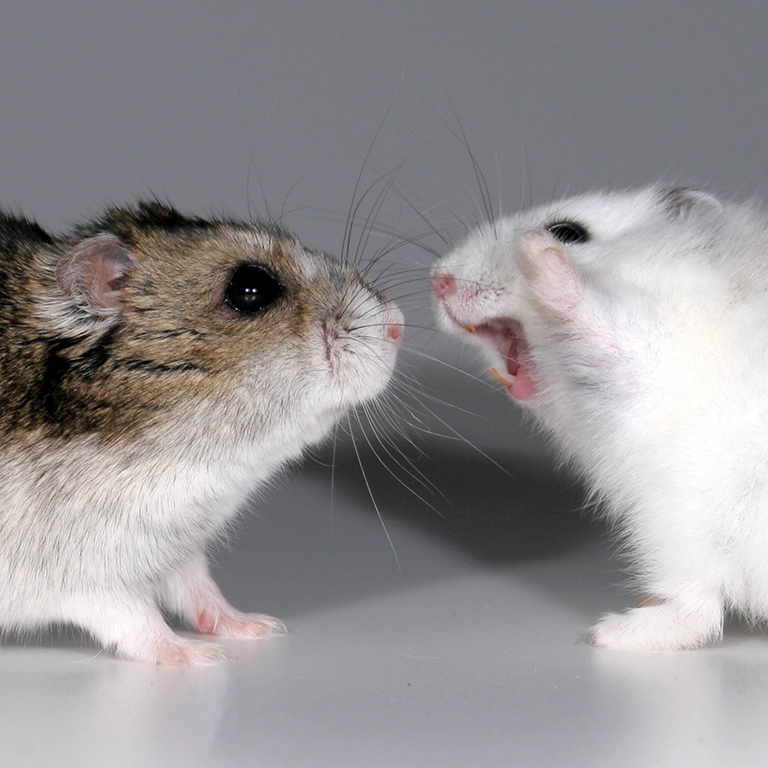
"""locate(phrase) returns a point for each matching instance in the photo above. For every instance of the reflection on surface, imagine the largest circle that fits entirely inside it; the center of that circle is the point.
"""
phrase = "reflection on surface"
(704, 708)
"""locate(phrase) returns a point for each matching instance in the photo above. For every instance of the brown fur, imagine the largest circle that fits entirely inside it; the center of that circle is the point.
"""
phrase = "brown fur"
(175, 342)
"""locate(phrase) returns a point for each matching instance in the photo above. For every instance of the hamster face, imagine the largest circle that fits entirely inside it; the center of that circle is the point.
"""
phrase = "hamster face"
(487, 291)
(633, 326)
(156, 370)
(185, 333)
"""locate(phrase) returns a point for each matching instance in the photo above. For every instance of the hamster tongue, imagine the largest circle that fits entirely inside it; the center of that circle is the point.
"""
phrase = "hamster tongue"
(520, 386)
(508, 338)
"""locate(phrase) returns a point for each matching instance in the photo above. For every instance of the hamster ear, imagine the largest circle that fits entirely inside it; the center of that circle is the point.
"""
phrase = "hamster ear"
(95, 270)
(684, 203)
(550, 275)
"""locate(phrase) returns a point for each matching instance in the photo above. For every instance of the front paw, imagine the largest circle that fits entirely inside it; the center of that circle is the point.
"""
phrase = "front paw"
(236, 625)
(664, 626)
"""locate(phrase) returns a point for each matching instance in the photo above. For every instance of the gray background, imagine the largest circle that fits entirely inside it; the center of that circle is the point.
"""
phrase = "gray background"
(451, 638)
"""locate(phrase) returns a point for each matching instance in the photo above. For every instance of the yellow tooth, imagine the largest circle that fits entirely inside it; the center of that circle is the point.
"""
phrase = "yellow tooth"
(470, 328)
(502, 377)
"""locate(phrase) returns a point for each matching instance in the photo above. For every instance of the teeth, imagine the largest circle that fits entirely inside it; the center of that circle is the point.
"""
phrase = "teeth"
(470, 328)
(502, 377)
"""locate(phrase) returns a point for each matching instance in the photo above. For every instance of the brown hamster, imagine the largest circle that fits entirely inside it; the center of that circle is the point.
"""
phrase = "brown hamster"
(155, 369)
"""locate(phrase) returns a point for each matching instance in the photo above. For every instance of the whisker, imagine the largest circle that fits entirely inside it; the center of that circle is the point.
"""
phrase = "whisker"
(375, 505)
(415, 474)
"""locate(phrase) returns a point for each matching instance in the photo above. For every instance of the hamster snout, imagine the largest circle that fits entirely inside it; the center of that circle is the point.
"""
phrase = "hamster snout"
(156, 369)
(443, 284)
(605, 315)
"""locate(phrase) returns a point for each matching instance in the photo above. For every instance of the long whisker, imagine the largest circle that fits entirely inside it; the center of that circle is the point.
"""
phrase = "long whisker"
(376, 506)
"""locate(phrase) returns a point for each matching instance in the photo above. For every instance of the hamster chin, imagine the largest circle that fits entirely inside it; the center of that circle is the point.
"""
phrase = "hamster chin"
(639, 321)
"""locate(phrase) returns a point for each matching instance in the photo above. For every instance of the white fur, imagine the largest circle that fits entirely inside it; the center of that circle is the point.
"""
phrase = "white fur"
(651, 370)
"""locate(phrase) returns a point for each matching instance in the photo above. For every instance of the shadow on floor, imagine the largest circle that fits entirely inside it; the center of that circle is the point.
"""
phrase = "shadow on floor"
(499, 509)
(318, 539)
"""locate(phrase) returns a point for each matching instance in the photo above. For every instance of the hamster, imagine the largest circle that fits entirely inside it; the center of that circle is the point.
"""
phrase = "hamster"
(634, 327)
(155, 370)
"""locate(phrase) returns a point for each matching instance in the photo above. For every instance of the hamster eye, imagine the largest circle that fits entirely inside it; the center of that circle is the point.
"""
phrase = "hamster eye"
(568, 232)
(252, 289)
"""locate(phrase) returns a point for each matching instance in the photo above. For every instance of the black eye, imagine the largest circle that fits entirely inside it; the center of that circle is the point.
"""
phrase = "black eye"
(252, 289)
(568, 232)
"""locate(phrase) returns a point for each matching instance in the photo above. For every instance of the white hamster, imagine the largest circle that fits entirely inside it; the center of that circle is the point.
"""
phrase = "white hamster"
(155, 370)
(634, 326)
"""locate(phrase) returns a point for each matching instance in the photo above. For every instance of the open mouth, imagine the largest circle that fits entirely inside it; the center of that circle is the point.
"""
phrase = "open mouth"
(507, 337)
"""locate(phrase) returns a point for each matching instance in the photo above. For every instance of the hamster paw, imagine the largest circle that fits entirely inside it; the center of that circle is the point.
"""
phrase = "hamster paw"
(234, 624)
(665, 626)
(194, 596)
(173, 651)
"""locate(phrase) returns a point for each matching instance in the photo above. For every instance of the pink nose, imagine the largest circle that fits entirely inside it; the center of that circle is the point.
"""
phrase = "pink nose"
(443, 284)
(395, 332)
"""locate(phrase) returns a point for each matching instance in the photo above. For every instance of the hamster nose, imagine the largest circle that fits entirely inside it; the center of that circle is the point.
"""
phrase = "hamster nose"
(395, 333)
(443, 284)
(394, 325)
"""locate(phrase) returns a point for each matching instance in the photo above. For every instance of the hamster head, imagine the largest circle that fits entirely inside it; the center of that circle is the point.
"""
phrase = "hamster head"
(149, 316)
(517, 280)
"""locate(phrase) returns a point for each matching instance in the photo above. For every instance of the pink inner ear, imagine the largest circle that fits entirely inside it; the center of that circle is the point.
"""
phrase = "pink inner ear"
(96, 269)
(550, 274)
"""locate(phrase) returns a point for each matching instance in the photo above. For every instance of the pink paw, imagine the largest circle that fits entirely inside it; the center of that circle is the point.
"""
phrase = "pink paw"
(176, 652)
(239, 625)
